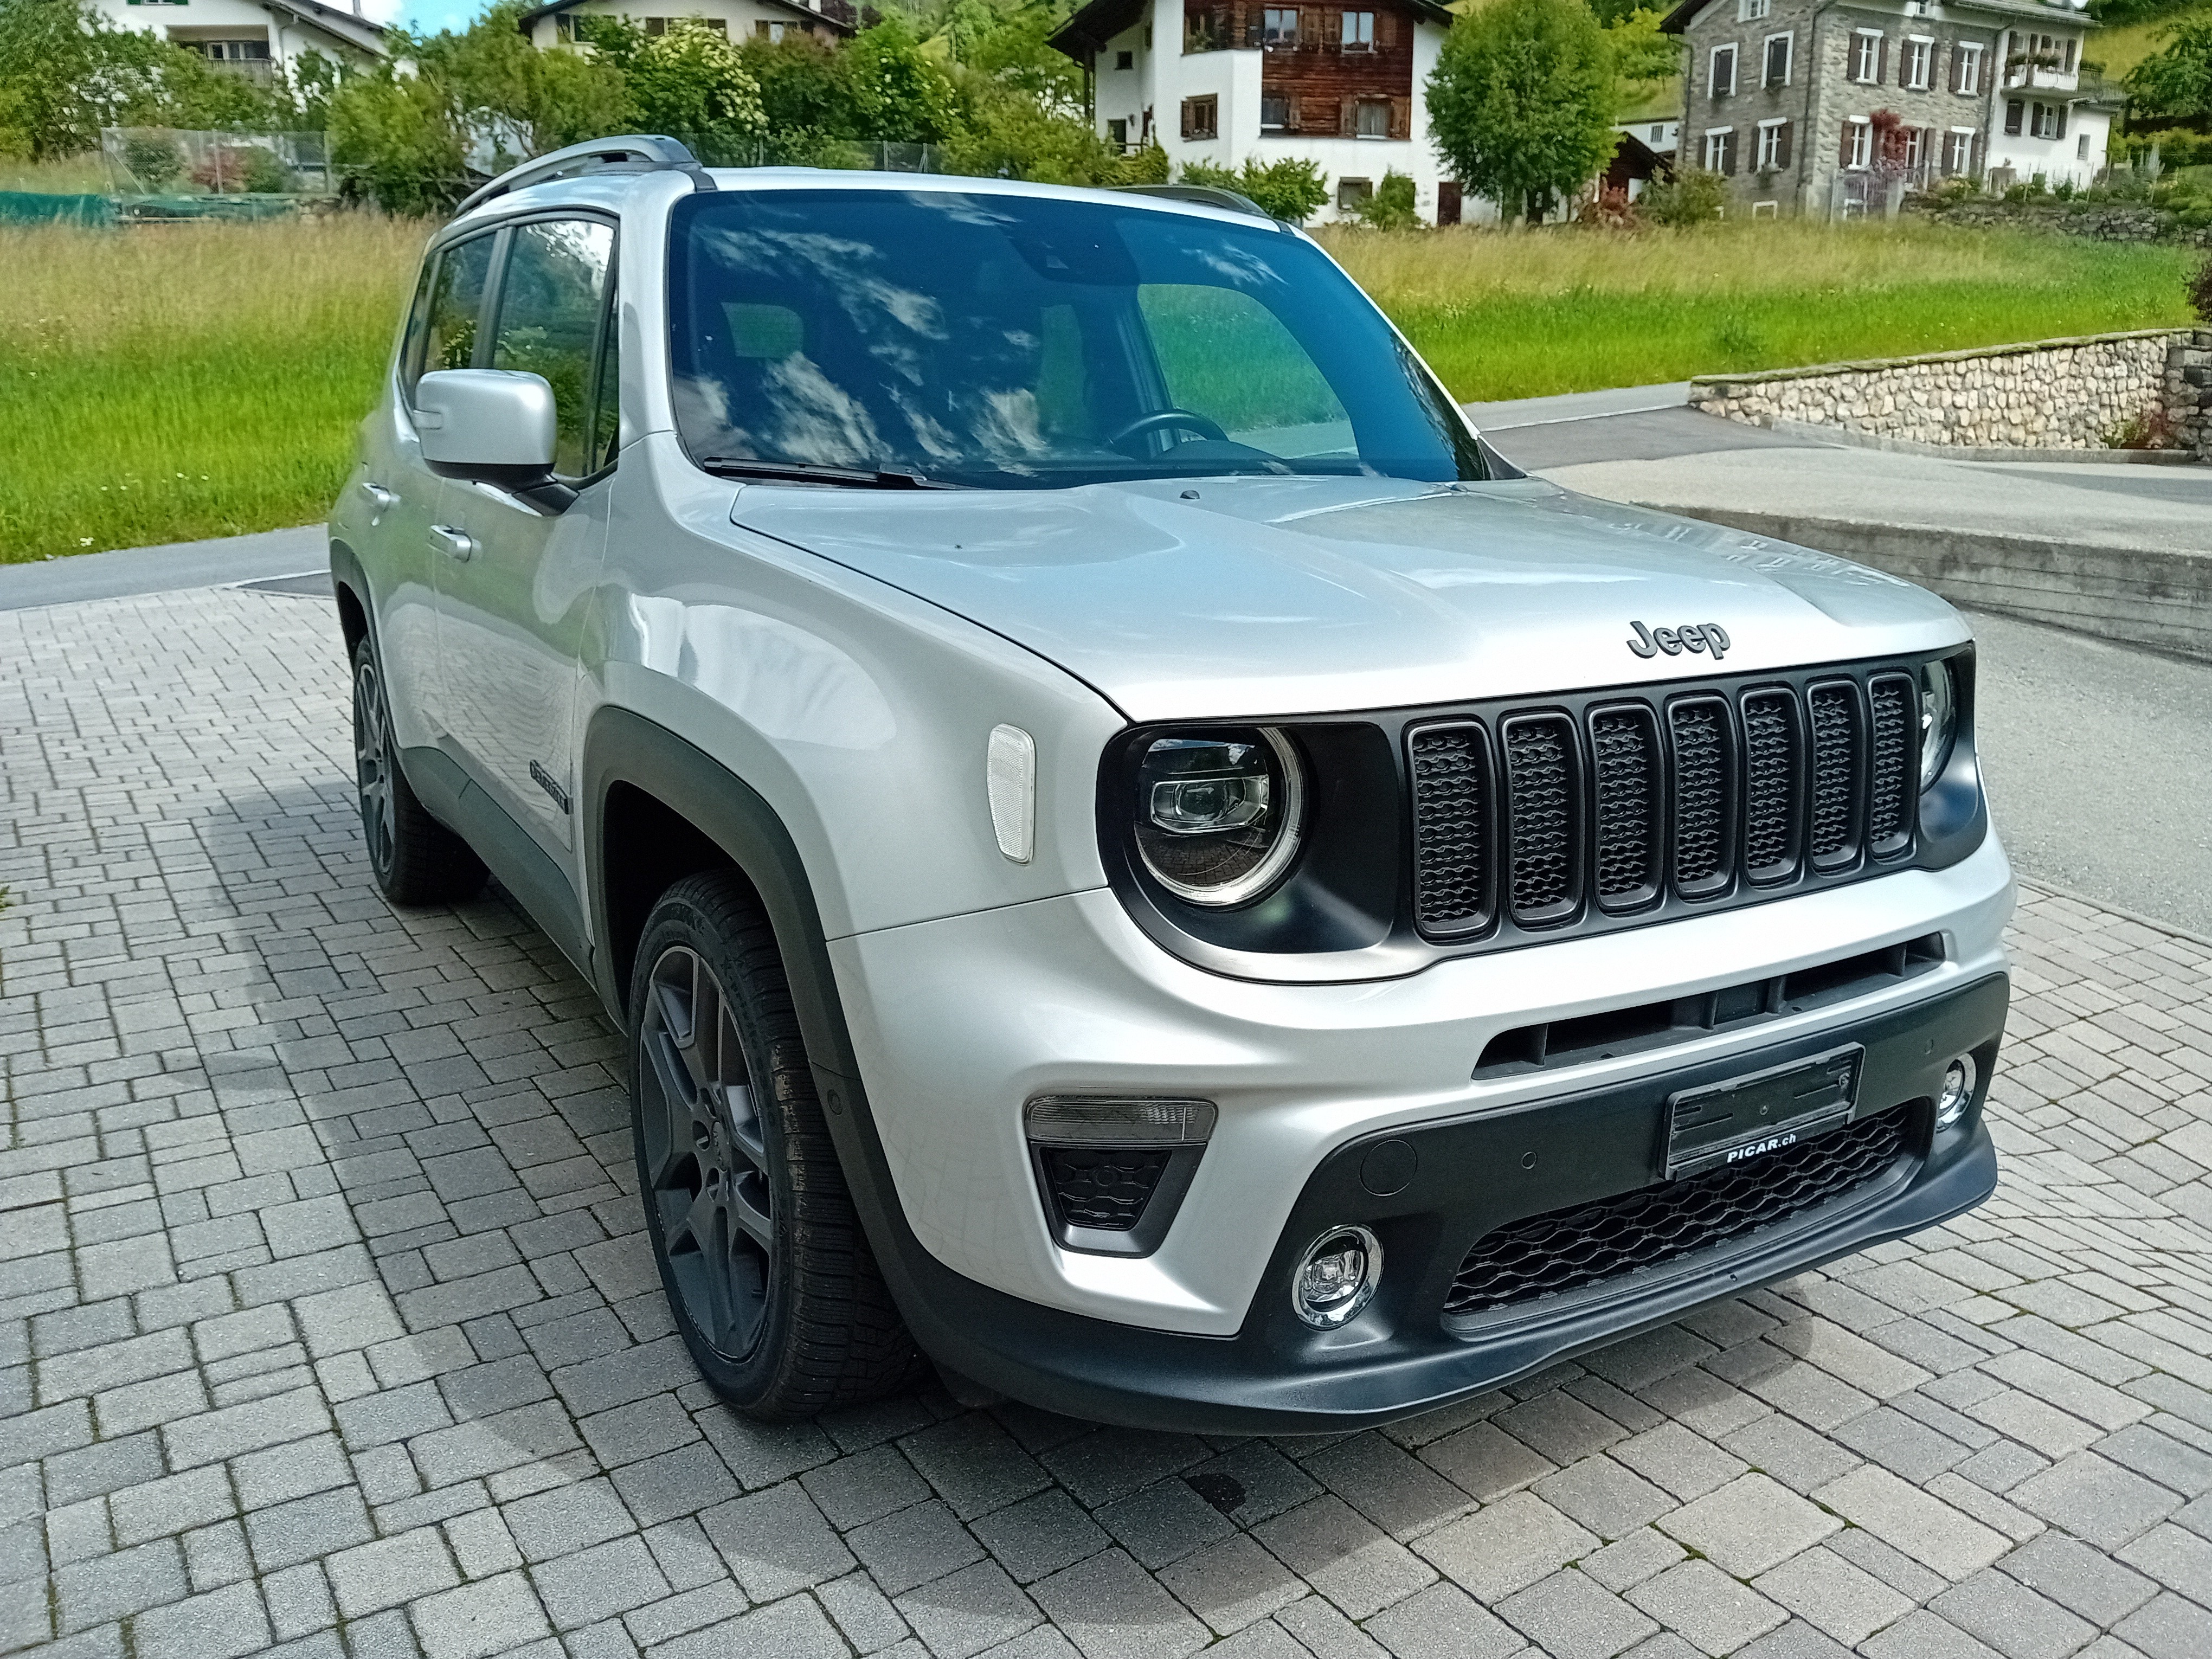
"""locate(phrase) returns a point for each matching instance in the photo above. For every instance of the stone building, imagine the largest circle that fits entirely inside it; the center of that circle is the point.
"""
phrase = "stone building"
(1834, 107)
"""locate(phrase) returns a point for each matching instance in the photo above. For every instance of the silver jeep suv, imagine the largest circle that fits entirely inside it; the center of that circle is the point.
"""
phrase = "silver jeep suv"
(1139, 861)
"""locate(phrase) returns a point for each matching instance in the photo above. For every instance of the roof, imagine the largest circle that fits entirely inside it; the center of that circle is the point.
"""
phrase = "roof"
(344, 25)
(1687, 12)
(839, 14)
(1091, 27)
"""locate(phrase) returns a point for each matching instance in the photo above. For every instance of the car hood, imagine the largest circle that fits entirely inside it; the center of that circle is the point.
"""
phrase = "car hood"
(1229, 598)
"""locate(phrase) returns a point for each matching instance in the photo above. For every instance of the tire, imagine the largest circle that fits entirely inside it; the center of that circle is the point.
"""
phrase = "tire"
(761, 1253)
(414, 858)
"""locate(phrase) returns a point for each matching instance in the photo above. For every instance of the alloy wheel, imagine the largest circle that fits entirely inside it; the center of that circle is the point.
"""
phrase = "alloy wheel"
(706, 1162)
(372, 761)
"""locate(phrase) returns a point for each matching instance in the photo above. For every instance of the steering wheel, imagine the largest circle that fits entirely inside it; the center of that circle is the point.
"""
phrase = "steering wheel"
(1160, 420)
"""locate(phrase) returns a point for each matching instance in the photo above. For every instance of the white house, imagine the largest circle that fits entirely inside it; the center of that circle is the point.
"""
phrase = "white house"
(831, 20)
(255, 37)
(2040, 119)
(1341, 85)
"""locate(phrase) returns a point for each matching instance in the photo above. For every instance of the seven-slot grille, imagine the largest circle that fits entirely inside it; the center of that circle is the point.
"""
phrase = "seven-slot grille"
(1539, 817)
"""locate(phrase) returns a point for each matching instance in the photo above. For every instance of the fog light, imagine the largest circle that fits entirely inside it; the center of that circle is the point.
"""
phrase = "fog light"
(1958, 1088)
(1339, 1274)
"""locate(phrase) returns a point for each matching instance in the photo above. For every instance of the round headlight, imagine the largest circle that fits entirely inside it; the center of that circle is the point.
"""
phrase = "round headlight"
(1217, 811)
(1939, 719)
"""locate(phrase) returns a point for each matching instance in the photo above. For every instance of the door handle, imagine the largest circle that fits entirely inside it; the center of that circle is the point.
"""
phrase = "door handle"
(378, 496)
(456, 542)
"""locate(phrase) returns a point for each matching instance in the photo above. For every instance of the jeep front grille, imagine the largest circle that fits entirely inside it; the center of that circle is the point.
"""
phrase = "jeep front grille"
(1584, 1245)
(1658, 800)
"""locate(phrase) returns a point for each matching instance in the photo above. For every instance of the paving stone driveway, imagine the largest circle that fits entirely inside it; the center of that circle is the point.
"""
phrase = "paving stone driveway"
(325, 1319)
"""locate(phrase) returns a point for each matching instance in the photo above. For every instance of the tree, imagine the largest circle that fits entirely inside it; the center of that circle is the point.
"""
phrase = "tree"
(2175, 82)
(1642, 55)
(689, 82)
(1521, 100)
(900, 94)
(66, 72)
(804, 96)
(501, 85)
(399, 139)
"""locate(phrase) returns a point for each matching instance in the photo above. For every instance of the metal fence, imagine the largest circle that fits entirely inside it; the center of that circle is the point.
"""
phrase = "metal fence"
(172, 162)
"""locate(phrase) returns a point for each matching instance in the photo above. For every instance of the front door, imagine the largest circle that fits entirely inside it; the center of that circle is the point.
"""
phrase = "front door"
(404, 496)
(517, 577)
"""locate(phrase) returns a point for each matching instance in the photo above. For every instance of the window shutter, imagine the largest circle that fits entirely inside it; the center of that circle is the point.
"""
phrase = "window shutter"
(1882, 60)
(1386, 32)
(2058, 120)
(1728, 155)
(1291, 113)
(1401, 118)
(1187, 106)
(1782, 146)
(1347, 117)
(1332, 28)
(1843, 155)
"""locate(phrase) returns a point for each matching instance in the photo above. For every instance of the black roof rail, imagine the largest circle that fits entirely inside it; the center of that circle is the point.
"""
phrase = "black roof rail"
(1211, 195)
(631, 153)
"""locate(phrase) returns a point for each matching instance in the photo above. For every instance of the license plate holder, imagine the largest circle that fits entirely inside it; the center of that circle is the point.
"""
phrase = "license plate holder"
(1745, 1118)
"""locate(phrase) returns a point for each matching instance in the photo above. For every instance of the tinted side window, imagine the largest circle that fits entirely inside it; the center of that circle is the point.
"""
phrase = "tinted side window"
(457, 293)
(551, 303)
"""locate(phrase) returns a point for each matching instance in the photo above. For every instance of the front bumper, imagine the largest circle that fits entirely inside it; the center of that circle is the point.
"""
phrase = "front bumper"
(1403, 1354)
(955, 1024)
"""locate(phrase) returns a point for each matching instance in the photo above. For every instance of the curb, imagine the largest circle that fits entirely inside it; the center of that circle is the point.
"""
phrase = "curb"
(2132, 596)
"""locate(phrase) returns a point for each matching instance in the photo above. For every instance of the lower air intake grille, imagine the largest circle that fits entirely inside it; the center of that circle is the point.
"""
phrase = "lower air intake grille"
(1572, 1248)
(1451, 816)
(1105, 1187)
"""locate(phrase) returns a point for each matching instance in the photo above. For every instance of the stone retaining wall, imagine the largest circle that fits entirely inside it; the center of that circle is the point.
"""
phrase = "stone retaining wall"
(2102, 221)
(2086, 393)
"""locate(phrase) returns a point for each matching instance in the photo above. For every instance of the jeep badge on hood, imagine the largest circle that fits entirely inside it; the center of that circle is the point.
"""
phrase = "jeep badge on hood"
(1649, 641)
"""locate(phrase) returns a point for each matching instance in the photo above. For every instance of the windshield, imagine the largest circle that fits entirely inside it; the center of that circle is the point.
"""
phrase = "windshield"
(1021, 342)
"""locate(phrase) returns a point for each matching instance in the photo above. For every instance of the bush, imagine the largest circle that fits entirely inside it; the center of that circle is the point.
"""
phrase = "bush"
(1391, 207)
(2199, 288)
(154, 161)
(1691, 197)
(1289, 190)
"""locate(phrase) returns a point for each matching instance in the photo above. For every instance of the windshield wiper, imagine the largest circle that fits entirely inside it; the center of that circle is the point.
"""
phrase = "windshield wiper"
(742, 466)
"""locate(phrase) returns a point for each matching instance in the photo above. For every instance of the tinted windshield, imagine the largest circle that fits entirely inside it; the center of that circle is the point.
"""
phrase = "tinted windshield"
(1018, 342)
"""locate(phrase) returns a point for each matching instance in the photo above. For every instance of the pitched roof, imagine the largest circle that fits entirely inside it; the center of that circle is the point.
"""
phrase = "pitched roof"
(344, 25)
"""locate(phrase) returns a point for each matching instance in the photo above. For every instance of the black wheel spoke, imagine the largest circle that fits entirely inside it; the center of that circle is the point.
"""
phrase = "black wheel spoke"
(704, 1153)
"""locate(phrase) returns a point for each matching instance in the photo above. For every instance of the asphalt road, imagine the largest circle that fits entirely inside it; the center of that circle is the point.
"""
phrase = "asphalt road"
(2098, 759)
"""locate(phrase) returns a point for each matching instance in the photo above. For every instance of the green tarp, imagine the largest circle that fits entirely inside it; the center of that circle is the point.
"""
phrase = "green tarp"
(19, 207)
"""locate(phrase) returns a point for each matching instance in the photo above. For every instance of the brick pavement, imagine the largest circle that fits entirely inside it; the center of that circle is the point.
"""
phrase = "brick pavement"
(326, 1322)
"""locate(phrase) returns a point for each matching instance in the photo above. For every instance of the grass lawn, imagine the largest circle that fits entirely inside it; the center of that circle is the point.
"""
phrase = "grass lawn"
(1522, 314)
(165, 385)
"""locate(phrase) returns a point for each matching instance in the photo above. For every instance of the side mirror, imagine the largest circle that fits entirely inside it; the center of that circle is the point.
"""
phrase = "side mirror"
(486, 424)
